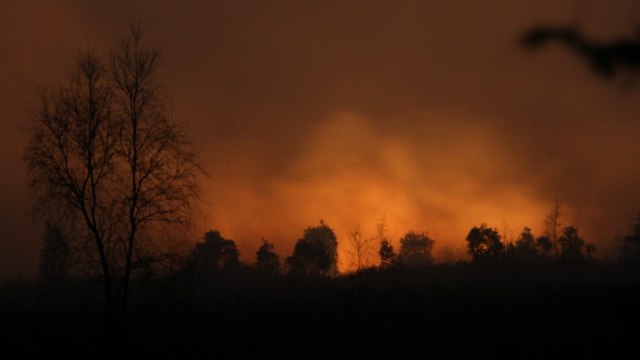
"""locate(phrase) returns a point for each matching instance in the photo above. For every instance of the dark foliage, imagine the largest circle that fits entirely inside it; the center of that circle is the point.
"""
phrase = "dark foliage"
(415, 249)
(571, 245)
(213, 254)
(387, 254)
(483, 243)
(266, 259)
(544, 245)
(525, 248)
(316, 253)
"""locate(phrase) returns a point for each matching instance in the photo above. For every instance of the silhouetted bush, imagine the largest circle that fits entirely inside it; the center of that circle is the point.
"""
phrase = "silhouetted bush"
(266, 259)
(214, 253)
(316, 253)
(483, 243)
(387, 254)
(415, 249)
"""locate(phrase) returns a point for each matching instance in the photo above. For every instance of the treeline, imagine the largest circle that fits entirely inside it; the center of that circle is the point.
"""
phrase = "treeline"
(517, 299)
(316, 252)
(514, 299)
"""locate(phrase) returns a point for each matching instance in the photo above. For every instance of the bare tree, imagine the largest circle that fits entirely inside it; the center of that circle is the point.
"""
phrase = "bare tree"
(71, 154)
(159, 169)
(507, 233)
(553, 224)
(360, 248)
(105, 149)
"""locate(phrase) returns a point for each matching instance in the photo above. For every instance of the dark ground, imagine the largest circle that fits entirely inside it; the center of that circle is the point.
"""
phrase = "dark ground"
(443, 311)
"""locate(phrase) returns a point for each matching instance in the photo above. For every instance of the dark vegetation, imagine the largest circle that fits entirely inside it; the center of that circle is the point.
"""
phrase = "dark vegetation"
(515, 299)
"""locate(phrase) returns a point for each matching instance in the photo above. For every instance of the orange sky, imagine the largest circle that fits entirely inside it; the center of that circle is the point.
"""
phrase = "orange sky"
(427, 113)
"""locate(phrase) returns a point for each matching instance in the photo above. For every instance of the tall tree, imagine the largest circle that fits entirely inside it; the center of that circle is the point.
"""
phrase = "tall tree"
(105, 149)
(158, 167)
(71, 156)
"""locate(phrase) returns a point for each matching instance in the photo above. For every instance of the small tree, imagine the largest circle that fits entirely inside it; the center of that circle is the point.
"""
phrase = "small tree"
(316, 253)
(385, 251)
(387, 254)
(415, 249)
(483, 243)
(213, 254)
(544, 246)
(359, 248)
(571, 245)
(553, 226)
(525, 247)
(266, 259)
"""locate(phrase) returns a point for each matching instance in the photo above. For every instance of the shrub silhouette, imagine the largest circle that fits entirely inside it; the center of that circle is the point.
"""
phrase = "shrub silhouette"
(483, 243)
(571, 245)
(266, 259)
(525, 248)
(387, 254)
(214, 253)
(316, 253)
(415, 249)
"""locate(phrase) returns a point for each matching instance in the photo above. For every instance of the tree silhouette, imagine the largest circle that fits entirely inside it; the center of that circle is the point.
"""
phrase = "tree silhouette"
(525, 247)
(54, 255)
(571, 245)
(387, 254)
(316, 253)
(484, 243)
(415, 249)
(553, 224)
(385, 251)
(266, 259)
(104, 149)
(214, 253)
(544, 245)
(359, 248)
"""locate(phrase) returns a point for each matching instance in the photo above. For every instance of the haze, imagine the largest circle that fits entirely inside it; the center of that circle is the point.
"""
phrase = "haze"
(428, 113)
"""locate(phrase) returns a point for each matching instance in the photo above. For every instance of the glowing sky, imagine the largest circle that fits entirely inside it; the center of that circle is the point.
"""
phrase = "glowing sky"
(426, 112)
